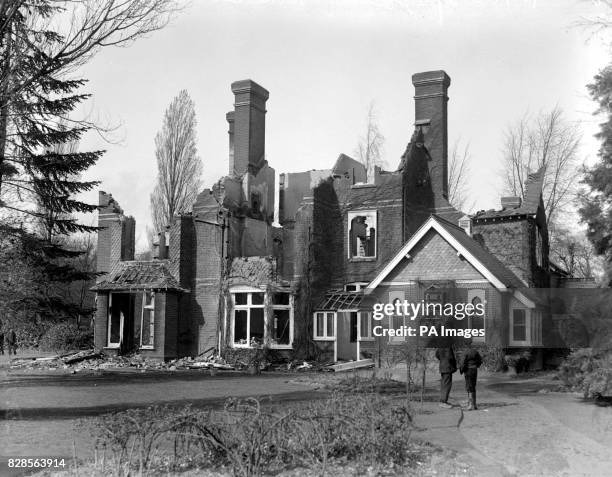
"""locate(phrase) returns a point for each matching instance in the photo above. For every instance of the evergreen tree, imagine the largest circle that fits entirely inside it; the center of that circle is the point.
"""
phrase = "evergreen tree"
(42, 44)
(596, 201)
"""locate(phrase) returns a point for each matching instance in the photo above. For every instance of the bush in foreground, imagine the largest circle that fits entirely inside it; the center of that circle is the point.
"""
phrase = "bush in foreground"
(588, 371)
(247, 439)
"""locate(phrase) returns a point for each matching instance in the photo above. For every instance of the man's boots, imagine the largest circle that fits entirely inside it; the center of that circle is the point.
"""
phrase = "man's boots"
(474, 407)
(471, 402)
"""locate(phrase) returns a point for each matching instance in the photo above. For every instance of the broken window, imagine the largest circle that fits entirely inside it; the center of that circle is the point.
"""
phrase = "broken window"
(248, 319)
(120, 316)
(353, 327)
(362, 234)
(115, 323)
(147, 325)
(281, 319)
(324, 325)
(255, 324)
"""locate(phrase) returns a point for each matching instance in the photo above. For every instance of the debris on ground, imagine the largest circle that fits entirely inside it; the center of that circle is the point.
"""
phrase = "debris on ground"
(92, 360)
(95, 360)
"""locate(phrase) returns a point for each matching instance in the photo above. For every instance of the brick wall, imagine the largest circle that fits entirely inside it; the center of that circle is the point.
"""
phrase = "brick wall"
(207, 284)
(249, 126)
(431, 103)
(433, 258)
(510, 242)
(101, 320)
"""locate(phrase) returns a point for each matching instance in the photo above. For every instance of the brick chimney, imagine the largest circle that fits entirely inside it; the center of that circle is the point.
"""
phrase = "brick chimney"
(116, 237)
(247, 132)
(431, 114)
(230, 122)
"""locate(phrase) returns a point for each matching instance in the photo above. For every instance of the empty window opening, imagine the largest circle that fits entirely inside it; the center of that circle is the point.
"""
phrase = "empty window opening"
(362, 234)
(147, 326)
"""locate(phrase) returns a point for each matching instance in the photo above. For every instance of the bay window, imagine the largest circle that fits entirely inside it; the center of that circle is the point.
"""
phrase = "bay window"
(262, 319)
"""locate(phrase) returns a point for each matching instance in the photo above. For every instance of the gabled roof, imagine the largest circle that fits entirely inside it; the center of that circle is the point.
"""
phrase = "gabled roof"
(140, 275)
(530, 202)
(485, 262)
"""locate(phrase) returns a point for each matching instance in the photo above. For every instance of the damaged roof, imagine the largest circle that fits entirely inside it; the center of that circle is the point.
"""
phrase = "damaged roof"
(530, 202)
(340, 300)
(141, 275)
(255, 271)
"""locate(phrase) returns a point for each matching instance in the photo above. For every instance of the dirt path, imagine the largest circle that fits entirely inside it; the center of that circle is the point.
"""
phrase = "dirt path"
(520, 430)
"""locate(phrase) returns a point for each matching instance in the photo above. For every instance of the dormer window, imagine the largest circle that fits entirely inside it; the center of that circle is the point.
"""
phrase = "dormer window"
(362, 234)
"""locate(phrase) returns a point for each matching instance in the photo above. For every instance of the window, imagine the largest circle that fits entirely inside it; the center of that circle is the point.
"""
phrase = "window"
(536, 328)
(281, 320)
(353, 327)
(147, 323)
(249, 319)
(324, 328)
(115, 323)
(362, 234)
(434, 302)
(255, 324)
(519, 326)
(477, 321)
(365, 326)
(396, 321)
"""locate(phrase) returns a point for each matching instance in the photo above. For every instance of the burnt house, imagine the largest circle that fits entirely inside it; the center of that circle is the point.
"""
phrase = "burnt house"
(228, 276)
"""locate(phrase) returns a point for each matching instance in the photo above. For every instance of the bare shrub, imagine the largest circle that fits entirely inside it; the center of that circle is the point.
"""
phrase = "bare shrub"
(250, 439)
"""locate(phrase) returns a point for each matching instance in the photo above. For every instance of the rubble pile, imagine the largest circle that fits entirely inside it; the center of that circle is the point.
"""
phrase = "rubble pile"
(92, 360)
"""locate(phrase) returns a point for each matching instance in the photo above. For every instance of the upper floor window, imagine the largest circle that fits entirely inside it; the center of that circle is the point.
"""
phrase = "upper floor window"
(362, 234)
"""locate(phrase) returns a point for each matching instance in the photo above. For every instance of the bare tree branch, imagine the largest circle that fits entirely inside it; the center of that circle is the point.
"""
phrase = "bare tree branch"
(547, 140)
(370, 147)
(458, 176)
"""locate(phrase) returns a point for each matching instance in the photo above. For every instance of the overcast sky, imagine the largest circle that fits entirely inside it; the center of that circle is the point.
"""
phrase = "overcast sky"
(323, 63)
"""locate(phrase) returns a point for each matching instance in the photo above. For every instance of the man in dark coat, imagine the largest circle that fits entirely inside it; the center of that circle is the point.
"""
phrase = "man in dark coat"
(448, 365)
(469, 368)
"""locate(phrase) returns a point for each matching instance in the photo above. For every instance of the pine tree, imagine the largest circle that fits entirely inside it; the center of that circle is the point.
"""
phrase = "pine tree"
(40, 173)
(596, 201)
(42, 45)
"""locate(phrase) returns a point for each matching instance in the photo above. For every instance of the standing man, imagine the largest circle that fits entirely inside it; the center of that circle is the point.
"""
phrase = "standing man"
(469, 368)
(448, 365)
(11, 341)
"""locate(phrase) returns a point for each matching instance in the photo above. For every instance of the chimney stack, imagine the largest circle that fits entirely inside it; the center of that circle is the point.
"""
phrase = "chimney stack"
(247, 132)
(230, 122)
(116, 237)
(431, 115)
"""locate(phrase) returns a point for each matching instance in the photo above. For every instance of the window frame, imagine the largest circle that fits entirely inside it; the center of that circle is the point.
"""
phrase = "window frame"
(326, 316)
(109, 344)
(527, 325)
(268, 307)
(479, 293)
(151, 308)
(358, 213)
(270, 328)
(368, 316)
(396, 295)
(248, 306)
